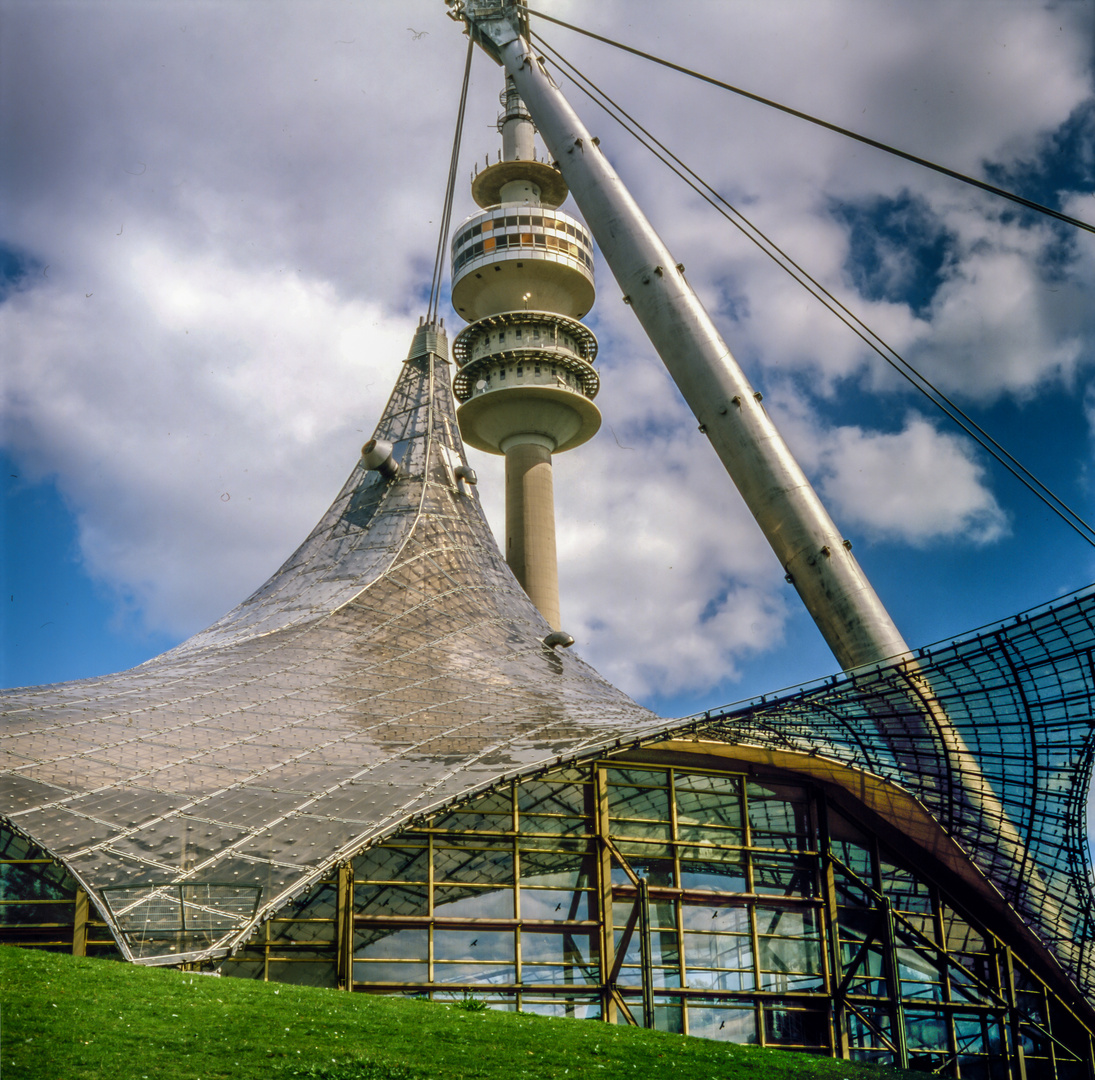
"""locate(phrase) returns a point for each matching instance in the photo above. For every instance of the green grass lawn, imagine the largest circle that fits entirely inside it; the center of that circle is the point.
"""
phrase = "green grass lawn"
(66, 1018)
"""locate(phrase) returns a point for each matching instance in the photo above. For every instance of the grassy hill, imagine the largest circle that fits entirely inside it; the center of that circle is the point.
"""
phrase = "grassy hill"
(73, 1019)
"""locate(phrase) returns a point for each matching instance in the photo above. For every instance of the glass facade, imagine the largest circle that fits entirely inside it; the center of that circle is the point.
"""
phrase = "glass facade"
(43, 907)
(729, 905)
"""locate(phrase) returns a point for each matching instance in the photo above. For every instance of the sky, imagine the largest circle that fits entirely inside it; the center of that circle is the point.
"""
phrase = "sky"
(217, 234)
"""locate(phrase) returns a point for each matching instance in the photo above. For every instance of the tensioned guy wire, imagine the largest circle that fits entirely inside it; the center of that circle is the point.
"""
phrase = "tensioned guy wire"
(450, 189)
(853, 322)
(953, 173)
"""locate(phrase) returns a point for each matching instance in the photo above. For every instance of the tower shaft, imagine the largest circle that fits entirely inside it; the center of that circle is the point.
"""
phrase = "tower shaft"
(530, 525)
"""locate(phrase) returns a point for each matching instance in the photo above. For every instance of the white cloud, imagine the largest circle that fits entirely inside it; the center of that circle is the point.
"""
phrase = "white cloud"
(198, 449)
(253, 204)
(916, 485)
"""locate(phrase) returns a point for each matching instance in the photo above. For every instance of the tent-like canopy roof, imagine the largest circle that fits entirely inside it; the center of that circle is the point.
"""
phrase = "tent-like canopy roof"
(393, 666)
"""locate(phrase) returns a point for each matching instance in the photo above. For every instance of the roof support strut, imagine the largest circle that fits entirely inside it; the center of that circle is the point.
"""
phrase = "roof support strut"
(815, 557)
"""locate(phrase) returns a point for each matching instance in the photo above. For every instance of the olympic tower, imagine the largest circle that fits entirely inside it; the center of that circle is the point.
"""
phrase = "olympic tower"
(522, 276)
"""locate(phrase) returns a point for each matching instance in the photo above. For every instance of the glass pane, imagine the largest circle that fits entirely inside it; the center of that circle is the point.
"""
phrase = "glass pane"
(402, 864)
(736, 1025)
(925, 1030)
(718, 917)
(905, 891)
(540, 797)
(36, 914)
(452, 901)
(573, 1009)
(556, 904)
(710, 834)
(558, 958)
(779, 815)
(473, 863)
(645, 804)
(788, 922)
(919, 975)
(566, 870)
(298, 932)
(482, 946)
(649, 860)
(708, 800)
(712, 870)
(555, 826)
(471, 820)
(669, 1016)
(719, 961)
(384, 944)
(790, 950)
(785, 875)
(320, 904)
(461, 972)
(390, 971)
(787, 1025)
(35, 881)
(646, 777)
(392, 899)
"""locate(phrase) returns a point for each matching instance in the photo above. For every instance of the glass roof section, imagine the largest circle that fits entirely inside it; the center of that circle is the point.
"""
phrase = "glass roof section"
(994, 734)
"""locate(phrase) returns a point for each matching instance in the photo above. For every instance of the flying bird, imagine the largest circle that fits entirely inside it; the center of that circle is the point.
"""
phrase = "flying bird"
(417, 33)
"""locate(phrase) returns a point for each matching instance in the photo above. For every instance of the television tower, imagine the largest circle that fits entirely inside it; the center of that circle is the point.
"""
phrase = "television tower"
(522, 276)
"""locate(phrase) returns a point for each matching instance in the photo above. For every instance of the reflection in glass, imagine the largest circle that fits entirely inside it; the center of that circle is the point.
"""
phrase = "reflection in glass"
(382, 944)
(730, 1024)
(452, 901)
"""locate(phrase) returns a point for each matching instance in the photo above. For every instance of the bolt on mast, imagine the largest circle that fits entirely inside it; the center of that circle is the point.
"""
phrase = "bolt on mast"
(816, 558)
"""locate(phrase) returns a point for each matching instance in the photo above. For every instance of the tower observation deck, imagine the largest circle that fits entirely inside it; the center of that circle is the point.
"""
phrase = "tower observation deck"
(522, 275)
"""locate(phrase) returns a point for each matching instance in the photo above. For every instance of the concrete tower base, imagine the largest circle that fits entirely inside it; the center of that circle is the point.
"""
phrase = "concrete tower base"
(530, 524)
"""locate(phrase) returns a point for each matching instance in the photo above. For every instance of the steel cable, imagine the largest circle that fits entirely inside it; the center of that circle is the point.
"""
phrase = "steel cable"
(450, 189)
(953, 173)
(920, 382)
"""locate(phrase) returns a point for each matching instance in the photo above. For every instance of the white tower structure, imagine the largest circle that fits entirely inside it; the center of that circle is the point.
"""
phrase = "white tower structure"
(522, 275)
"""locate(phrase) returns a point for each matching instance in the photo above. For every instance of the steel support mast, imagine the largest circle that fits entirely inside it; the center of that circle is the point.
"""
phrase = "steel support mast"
(816, 558)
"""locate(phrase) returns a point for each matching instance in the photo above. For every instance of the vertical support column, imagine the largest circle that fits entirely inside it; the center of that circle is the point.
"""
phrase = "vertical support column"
(344, 928)
(646, 959)
(515, 849)
(945, 969)
(530, 523)
(79, 924)
(1018, 1058)
(604, 893)
(834, 967)
(893, 983)
(429, 909)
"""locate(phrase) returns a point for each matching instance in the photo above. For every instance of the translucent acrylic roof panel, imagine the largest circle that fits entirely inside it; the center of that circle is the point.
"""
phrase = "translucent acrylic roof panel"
(392, 665)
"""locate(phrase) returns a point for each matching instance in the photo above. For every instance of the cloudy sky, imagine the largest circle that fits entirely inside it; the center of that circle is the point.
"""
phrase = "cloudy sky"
(218, 228)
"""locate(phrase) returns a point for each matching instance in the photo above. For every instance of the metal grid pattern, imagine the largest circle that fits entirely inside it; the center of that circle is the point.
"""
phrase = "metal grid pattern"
(391, 666)
(994, 734)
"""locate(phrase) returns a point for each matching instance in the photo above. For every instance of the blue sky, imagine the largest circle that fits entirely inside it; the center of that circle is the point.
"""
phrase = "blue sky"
(217, 234)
